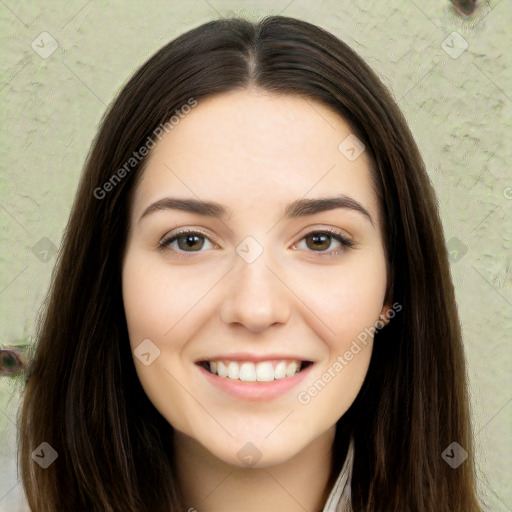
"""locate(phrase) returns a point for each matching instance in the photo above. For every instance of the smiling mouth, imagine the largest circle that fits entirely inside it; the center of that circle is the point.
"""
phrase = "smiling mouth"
(248, 371)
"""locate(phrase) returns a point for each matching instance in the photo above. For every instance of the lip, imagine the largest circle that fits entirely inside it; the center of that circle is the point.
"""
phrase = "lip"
(253, 358)
(254, 391)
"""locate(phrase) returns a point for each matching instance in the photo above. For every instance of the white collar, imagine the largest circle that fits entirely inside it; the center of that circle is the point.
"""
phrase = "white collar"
(339, 499)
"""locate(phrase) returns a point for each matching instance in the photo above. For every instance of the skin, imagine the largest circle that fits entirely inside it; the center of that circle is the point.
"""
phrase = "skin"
(253, 152)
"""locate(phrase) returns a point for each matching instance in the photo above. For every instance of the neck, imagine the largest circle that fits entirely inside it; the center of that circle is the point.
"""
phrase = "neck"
(300, 484)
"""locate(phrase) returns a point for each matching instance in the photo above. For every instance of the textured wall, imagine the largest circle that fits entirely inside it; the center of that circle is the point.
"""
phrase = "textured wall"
(63, 62)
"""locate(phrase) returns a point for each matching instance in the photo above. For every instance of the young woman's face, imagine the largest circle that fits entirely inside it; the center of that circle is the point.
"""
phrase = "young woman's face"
(257, 289)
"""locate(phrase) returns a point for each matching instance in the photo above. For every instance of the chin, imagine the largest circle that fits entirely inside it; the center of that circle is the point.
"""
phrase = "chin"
(243, 453)
(252, 456)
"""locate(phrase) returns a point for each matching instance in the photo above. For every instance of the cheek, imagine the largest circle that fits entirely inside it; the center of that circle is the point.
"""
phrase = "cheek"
(346, 299)
(348, 302)
(156, 297)
(143, 303)
(328, 396)
(154, 300)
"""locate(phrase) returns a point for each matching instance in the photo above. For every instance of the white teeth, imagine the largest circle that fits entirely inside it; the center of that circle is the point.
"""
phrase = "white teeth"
(247, 372)
(292, 369)
(280, 370)
(233, 370)
(263, 371)
(222, 371)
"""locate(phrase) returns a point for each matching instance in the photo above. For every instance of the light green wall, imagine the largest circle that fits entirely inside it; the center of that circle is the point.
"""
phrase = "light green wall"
(459, 108)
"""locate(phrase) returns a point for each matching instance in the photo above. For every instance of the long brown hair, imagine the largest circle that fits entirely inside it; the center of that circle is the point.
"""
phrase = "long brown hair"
(82, 393)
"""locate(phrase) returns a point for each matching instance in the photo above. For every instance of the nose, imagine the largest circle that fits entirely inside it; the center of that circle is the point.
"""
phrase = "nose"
(256, 296)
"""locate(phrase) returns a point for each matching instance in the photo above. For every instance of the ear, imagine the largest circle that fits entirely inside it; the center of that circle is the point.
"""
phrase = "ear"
(384, 314)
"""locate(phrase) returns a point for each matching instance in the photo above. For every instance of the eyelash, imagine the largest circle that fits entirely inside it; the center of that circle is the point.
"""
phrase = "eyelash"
(334, 233)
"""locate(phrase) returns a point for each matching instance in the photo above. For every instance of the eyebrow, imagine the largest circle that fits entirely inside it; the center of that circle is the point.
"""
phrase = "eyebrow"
(299, 208)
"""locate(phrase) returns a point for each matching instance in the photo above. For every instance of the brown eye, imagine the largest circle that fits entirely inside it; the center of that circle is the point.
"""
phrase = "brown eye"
(319, 241)
(191, 242)
(186, 241)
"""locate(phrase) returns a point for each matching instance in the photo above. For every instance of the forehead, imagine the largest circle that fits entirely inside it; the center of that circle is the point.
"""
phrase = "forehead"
(248, 148)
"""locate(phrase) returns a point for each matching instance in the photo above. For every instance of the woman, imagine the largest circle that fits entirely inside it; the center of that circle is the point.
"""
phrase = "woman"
(252, 308)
